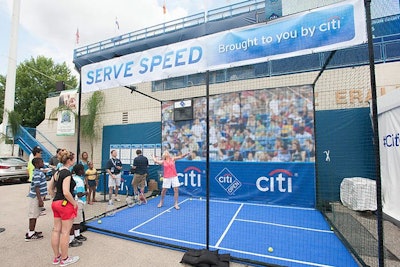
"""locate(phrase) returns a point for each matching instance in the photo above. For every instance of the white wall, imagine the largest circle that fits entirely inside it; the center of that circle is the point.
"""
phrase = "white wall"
(336, 89)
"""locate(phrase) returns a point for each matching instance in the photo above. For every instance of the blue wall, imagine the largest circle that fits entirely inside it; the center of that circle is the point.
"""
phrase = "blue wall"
(140, 133)
(348, 135)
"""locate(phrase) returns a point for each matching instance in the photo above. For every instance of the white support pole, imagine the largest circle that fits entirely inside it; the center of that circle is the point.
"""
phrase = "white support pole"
(9, 97)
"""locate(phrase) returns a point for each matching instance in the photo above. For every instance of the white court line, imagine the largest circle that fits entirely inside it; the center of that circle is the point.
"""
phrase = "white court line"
(287, 226)
(227, 229)
(229, 226)
(259, 204)
(158, 215)
(307, 263)
(235, 250)
(168, 238)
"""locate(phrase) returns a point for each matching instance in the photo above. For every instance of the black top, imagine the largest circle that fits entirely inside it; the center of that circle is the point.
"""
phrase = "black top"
(62, 174)
(112, 164)
(141, 163)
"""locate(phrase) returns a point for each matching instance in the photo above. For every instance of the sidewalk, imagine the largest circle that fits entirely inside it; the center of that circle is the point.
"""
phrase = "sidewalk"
(98, 250)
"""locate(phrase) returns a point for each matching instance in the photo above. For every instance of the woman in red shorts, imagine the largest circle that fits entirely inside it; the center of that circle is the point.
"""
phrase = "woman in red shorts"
(64, 209)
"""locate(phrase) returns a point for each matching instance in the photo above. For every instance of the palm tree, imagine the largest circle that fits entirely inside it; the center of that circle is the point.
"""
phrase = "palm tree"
(14, 124)
(89, 122)
(54, 113)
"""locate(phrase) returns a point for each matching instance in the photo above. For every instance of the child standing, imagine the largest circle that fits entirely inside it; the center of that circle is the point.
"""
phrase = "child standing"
(38, 189)
(80, 192)
(92, 182)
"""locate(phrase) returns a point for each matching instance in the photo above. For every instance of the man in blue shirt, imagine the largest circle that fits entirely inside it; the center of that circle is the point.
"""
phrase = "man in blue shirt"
(38, 189)
(140, 167)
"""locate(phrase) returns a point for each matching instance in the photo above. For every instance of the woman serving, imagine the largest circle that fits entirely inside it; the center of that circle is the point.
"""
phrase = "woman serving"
(170, 176)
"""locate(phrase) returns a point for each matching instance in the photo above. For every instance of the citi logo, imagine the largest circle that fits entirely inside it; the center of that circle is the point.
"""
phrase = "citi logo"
(279, 180)
(228, 181)
(391, 140)
(191, 177)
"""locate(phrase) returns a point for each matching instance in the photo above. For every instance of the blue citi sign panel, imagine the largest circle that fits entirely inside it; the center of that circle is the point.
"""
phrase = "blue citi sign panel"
(287, 184)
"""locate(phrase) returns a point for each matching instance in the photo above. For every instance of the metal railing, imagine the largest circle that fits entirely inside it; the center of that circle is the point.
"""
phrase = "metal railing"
(27, 142)
(170, 26)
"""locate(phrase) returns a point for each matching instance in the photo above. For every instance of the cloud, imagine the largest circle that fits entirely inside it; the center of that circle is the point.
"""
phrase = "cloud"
(48, 27)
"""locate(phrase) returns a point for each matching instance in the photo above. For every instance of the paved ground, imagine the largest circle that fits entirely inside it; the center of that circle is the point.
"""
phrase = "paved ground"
(99, 250)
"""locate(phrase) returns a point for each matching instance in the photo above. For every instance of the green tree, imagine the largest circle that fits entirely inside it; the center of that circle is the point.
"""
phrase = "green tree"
(2, 95)
(89, 122)
(35, 79)
(14, 123)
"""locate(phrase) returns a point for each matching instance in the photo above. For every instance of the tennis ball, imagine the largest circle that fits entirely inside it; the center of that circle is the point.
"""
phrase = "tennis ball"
(99, 221)
(161, 179)
(270, 249)
(200, 198)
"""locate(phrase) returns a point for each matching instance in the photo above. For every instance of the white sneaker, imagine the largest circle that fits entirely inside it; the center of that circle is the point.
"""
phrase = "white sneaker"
(69, 260)
(117, 199)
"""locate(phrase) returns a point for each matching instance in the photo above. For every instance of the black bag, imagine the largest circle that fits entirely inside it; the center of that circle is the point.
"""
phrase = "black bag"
(205, 258)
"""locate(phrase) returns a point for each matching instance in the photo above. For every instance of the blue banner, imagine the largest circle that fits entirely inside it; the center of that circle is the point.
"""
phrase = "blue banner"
(327, 28)
(286, 184)
(311, 30)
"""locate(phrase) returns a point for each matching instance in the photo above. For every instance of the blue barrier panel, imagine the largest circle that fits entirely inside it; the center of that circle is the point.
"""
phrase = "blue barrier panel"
(288, 184)
(126, 183)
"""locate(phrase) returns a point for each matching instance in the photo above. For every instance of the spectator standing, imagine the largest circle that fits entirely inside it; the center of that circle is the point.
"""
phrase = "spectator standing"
(91, 182)
(53, 163)
(38, 189)
(76, 238)
(84, 161)
(140, 168)
(36, 153)
(114, 169)
(64, 207)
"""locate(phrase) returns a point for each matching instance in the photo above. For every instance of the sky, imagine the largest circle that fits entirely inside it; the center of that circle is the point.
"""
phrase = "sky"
(48, 27)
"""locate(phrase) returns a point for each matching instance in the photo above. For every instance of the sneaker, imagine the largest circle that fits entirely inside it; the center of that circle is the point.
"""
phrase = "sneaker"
(38, 232)
(75, 243)
(34, 237)
(143, 199)
(57, 260)
(42, 213)
(80, 238)
(117, 199)
(69, 260)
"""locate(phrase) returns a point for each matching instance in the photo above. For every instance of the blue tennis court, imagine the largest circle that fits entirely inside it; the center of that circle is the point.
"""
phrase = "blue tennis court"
(298, 236)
